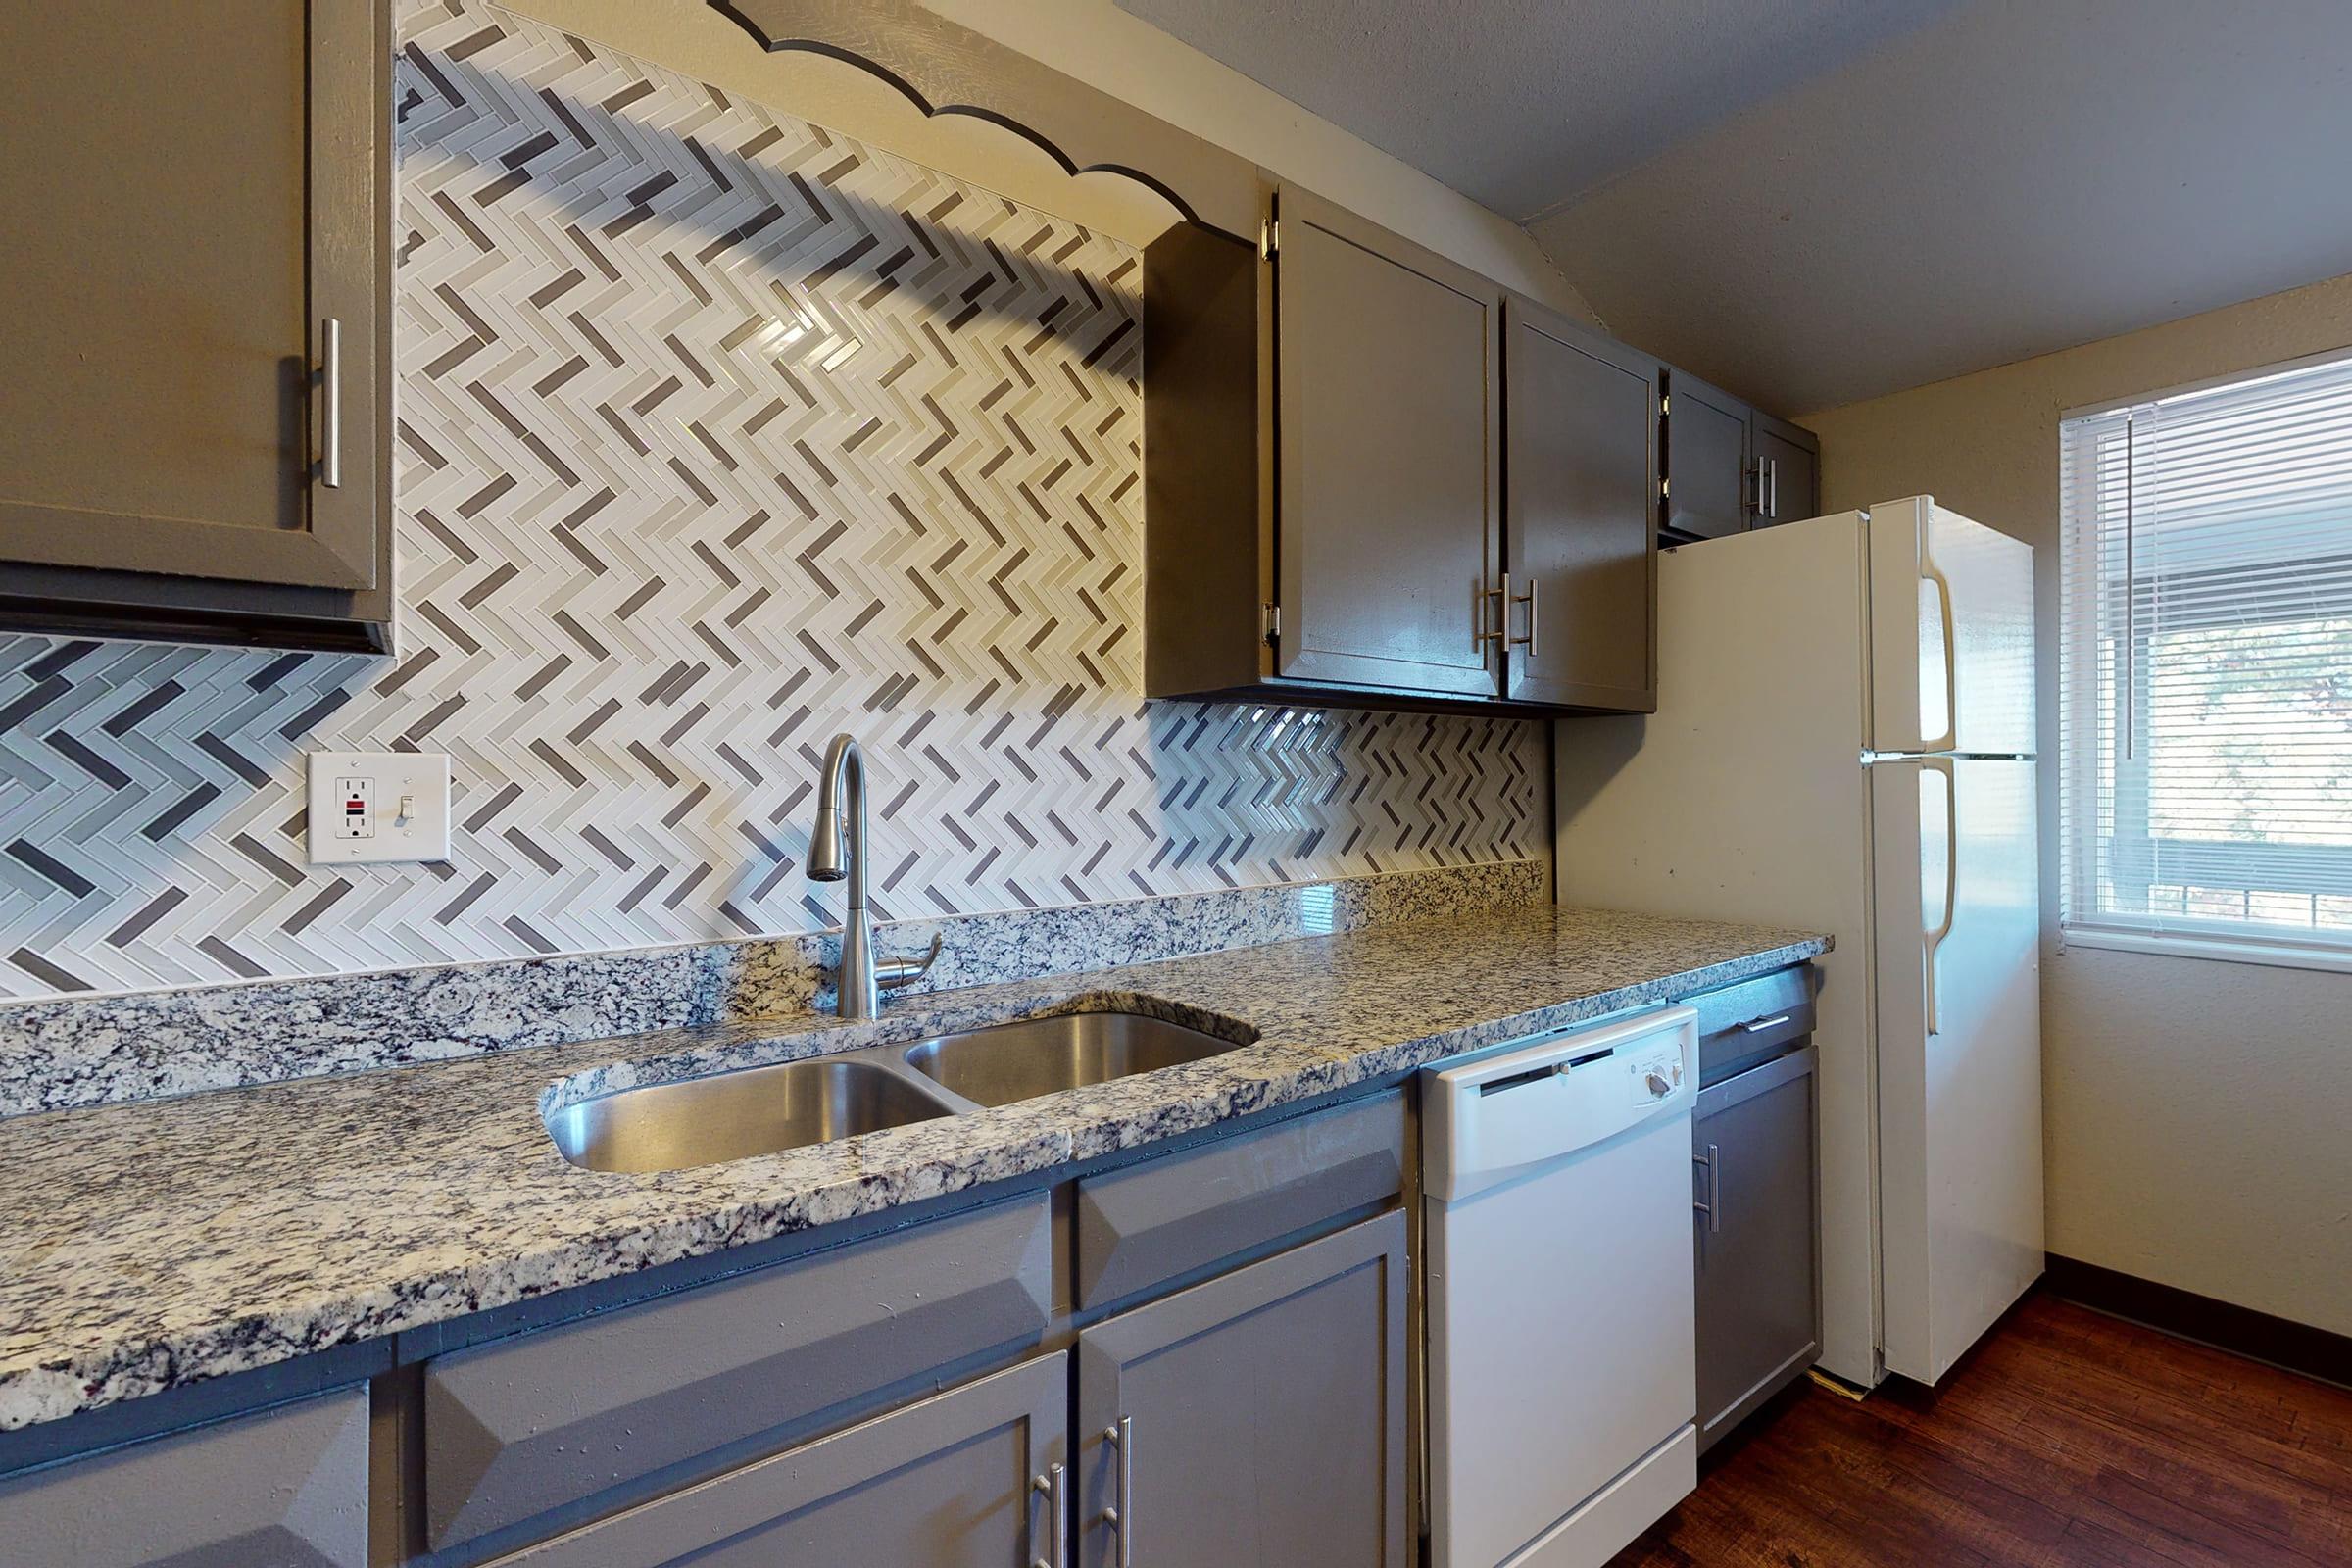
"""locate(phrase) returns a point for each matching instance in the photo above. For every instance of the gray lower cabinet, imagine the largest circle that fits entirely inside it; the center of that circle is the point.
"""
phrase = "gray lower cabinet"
(1141, 1228)
(1254, 1421)
(522, 1427)
(972, 1478)
(1757, 1226)
(281, 1488)
(195, 403)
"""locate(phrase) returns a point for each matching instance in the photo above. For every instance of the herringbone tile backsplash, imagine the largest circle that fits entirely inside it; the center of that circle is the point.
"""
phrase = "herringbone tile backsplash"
(717, 433)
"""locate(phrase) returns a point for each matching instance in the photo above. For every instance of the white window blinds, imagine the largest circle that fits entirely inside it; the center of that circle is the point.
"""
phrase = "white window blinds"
(2205, 698)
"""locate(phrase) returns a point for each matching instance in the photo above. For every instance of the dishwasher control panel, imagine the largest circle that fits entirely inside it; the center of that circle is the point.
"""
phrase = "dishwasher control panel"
(1655, 1072)
(1496, 1117)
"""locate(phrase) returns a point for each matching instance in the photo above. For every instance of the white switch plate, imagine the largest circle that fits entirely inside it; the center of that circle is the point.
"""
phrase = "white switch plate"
(378, 806)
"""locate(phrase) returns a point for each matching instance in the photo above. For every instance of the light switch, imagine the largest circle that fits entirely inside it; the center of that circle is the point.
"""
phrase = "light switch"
(378, 806)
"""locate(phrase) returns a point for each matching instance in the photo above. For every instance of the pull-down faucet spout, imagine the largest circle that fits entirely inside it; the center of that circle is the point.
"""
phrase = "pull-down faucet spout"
(837, 851)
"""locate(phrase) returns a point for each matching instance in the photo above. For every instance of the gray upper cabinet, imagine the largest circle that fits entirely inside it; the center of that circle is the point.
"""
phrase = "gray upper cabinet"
(1730, 467)
(1254, 1421)
(1784, 465)
(1322, 429)
(1580, 456)
(1390, 377)
(1706, 460)
(284, 1488)
(195, 405)
(972, 1478)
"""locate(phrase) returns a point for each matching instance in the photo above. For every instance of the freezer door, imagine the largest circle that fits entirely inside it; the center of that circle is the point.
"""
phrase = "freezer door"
(1951, 633)
(1959, 1050)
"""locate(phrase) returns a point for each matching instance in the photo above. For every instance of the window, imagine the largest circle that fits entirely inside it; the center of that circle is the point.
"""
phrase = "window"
(2205, 670)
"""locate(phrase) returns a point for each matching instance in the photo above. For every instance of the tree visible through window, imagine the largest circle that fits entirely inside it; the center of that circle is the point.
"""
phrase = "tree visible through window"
(2206, 663)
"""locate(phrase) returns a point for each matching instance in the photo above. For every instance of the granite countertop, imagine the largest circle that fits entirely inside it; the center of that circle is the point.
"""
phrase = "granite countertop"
(148, 1246)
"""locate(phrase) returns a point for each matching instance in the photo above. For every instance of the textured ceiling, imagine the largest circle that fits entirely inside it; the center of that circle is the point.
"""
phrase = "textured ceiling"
(1524, 104)
(1981, 183)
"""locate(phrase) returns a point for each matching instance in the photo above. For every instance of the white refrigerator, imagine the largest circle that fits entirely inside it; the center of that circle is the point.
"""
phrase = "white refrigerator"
(1844, 742)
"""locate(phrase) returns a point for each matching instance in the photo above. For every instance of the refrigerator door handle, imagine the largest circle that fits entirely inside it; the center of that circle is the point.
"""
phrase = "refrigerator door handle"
(1951, 879)
(1949, 740)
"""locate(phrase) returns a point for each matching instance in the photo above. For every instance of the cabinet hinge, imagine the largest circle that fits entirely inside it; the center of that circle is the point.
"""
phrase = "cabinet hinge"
(1665, 488)
(1269, 237)
(1664, 404)
(1271, 618)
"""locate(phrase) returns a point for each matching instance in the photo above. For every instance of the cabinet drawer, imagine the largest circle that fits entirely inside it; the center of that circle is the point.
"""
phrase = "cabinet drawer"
(516, 1427)
(1151, 1222)
(1752, 1021)
(961, 1479)
(284, 1488)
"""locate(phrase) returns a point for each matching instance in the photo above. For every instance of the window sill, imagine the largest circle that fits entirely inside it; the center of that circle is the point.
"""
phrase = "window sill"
(2228, 950)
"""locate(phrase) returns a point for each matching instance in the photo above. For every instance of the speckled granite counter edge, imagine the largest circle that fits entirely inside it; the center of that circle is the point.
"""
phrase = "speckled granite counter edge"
(714, 1210)
(91, 1050)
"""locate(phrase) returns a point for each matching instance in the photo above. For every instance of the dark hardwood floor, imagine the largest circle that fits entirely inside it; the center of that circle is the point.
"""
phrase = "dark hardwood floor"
(2066, 1437)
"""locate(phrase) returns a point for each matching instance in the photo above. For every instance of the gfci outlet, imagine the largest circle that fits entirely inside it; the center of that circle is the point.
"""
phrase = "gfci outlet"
(378, 806)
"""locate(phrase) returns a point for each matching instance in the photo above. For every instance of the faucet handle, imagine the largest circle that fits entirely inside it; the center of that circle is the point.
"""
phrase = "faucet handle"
(906, 971)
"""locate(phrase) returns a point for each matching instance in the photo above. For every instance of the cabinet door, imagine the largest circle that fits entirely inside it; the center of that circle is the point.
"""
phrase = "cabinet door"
(1255, 1421)
(284, 1488)
(162, 403)
(1706, 460)
(1580, 456)
(963, 1480)
(1752, 1151)
(1786, 466)
(1389, 493)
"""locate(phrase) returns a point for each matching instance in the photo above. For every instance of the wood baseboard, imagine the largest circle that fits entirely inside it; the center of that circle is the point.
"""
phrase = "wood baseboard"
(2281, 1342)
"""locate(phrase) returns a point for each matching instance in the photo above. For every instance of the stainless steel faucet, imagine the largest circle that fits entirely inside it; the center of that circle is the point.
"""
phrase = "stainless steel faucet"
(836, 848)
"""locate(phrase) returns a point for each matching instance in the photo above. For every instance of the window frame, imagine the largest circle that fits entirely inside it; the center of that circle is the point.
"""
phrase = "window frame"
(2083, 763)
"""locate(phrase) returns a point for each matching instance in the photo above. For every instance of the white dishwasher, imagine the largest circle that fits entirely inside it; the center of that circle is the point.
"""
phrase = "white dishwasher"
(1562, 1389)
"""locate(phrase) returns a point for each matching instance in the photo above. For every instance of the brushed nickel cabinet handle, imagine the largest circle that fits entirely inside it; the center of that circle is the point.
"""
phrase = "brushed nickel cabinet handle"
(1120, 1516)
(1500, 596)
(330, 403)
(1051, 1485)
(1528, 598)
(1756, 1026)
(1774, 504)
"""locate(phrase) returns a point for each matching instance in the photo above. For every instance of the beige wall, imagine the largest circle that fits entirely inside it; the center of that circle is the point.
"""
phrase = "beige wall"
(1097, 43)
(2196, 1109)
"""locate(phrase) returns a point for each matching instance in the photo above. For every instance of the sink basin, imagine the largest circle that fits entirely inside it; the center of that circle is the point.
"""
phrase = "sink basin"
(1009, 1061)
(757, 1111)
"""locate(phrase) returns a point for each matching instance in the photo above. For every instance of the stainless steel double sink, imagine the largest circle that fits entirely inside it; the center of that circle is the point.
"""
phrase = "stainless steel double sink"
(764, 1110)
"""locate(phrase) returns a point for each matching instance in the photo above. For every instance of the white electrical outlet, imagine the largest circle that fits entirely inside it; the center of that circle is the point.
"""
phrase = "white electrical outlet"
(355, 800)
(378, 806)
